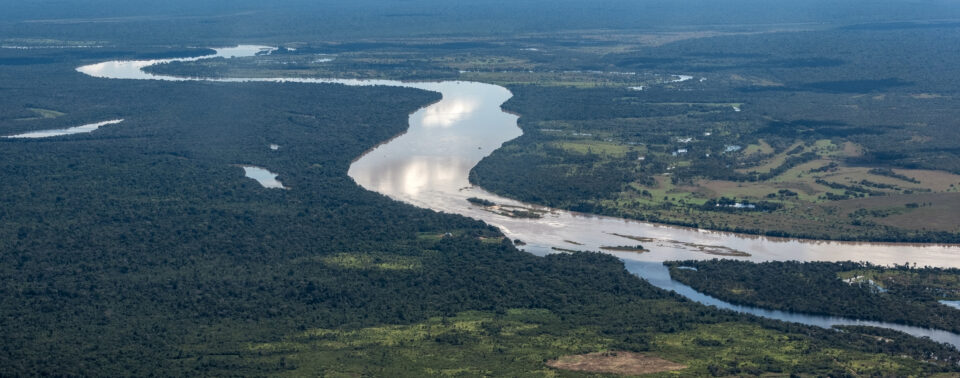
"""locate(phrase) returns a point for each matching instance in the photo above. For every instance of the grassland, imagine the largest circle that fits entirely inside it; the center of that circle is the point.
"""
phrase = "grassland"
(140, 251)
(527, 342)
(629, 140)
(761, 147)
(822, 196)
(825, 190)
(812, 147)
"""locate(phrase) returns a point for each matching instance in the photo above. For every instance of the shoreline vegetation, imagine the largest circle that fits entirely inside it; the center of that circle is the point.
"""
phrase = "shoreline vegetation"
(900, 294)
(794, 144)
(660, 156)
(625, 248)
(507, 210)
(330, 279)
(810, 148)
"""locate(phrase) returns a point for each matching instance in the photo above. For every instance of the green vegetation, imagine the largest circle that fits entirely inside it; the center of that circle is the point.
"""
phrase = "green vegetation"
(142, 250)
(626, 248)
(723, 350)
(899, 294)
(517, 342)
(480, 201)
(366, 261)
(784, 143)
(927, 284)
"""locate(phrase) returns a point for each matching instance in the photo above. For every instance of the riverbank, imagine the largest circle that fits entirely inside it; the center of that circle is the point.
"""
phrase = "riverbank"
(452, 135)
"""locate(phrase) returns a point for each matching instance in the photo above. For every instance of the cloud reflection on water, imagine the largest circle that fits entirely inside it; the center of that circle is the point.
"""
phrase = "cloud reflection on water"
(448, 112)
(410, 176)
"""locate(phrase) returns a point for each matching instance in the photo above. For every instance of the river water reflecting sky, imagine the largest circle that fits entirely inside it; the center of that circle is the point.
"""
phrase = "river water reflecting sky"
(428, 166)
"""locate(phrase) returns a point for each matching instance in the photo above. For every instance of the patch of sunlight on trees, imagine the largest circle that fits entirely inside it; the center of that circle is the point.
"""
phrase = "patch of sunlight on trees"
(364, 261)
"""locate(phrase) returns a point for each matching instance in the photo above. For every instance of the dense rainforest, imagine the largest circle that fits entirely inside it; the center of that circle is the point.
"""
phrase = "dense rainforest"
(141, 249)
(898, 294)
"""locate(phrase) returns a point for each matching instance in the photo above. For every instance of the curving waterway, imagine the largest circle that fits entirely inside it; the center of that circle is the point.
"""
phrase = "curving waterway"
(428, 167)
(88, 128)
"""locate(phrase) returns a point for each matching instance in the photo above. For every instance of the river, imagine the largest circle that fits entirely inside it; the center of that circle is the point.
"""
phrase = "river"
(428, 167)
(88, 128)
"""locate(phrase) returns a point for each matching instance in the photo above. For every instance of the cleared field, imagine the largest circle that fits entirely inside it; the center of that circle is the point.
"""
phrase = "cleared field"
(762, 147)
(920, 180)
(777, 160)
(820, 198)
(623, 363)
(595, 147)
(935, 180)
(934, 211)
(806, 188)
(851, 149)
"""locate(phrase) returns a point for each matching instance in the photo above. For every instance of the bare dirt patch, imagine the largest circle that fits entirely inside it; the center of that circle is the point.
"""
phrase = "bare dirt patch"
(851, 149)
(626, 363)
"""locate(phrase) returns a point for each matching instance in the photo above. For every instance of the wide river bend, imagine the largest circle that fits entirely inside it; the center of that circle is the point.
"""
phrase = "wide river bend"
(428, 167)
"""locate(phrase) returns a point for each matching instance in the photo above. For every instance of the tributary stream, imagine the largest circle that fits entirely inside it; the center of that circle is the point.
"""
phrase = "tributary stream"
(428, 167)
